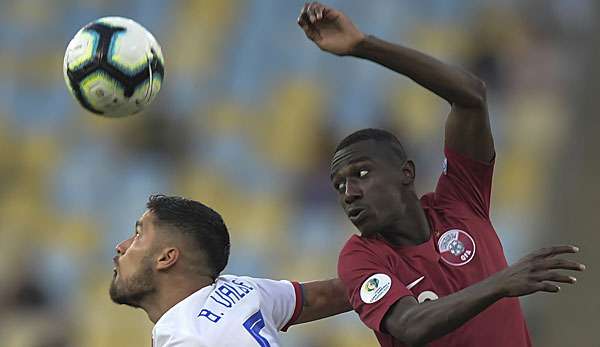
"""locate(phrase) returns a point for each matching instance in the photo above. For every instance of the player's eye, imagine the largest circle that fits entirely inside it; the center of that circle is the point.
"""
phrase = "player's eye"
(341, 187)
(363, 173)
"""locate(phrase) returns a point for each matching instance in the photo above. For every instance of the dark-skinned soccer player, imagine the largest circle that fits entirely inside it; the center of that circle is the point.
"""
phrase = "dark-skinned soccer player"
(428, 270)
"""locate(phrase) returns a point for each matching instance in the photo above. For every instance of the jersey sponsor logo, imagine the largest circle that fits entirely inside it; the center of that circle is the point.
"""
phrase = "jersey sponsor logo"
(456, 247)
(375, 287)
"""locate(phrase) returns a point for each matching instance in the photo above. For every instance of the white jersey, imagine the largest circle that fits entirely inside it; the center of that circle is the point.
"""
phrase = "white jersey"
(234, 311)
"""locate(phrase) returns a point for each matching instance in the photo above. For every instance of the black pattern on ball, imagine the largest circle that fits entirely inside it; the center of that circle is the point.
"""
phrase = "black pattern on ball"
(100, 61)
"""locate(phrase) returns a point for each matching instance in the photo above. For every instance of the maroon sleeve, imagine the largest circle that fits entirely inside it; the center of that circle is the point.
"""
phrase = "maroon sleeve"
(299, 292)
(466, 180)
(372, 288)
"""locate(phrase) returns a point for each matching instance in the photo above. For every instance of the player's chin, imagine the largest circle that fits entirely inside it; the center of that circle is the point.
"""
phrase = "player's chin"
(366, 229)
(118, 294)
(113, 292)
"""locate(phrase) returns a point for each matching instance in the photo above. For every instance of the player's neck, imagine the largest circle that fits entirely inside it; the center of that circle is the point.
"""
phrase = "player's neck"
(412, 228)
(172, 291)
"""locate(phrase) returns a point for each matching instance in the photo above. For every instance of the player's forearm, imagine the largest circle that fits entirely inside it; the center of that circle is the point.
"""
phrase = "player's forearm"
(455, 85)
(428, 321)
(323, 299)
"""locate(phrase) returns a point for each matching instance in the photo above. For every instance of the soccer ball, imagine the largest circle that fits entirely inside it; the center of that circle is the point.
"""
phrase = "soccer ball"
(114, 67)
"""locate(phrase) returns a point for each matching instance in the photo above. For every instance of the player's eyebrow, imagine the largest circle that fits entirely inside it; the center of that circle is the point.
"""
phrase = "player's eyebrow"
(363, 158)
(360, 159)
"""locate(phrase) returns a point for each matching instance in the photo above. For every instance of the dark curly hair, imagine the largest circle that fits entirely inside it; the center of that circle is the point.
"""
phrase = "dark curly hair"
(198, 221)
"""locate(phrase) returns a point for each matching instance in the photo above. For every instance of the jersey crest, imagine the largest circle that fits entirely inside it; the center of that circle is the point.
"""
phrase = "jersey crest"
(456, 247)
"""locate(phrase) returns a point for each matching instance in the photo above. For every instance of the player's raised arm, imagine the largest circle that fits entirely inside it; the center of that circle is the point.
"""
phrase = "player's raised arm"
(467, 127)
(415, 324)
(323, 299)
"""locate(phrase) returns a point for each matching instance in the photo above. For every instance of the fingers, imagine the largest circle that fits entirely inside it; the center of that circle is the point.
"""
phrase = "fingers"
(548, 287)
(307, 15)
(304, 22)
(556, 277)
(553, 251)
(563, 264)
(312, 16)
(303, 17)
(313, 12)
(307, 18)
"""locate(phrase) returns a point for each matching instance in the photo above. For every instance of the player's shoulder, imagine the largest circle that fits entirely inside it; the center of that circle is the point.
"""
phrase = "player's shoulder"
(175, 329)
(357, 242)
(458, 165)
(363, 254)
(358, 246)
(231, 278)
(171, 335)
(242, 280)
(247, 283)
(428, 200)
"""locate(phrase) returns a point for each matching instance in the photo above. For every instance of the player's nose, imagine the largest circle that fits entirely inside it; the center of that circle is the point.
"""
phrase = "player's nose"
(352, 191)
(122, 247)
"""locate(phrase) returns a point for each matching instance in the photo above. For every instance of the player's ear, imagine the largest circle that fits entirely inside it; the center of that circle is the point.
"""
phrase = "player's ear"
(167, 258)
(408, 172)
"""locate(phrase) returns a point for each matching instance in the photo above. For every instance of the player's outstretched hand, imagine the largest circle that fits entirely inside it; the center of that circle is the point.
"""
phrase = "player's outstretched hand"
(536, 272)
(329, 28)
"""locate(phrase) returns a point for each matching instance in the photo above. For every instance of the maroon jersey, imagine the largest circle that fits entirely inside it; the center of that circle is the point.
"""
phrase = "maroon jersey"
(463, 250)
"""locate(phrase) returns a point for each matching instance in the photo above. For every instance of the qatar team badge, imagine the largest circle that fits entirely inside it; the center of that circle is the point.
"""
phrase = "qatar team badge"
(375, 287)
(456, 247)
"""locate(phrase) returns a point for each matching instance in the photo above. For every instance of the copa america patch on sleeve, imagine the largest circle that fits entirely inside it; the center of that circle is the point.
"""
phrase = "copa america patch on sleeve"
(375, 287)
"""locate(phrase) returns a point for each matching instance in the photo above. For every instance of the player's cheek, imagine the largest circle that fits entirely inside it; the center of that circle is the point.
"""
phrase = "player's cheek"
(126, 266)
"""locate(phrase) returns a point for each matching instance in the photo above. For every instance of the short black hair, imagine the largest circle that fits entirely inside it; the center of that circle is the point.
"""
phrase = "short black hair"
(198, 221)
(379, 135)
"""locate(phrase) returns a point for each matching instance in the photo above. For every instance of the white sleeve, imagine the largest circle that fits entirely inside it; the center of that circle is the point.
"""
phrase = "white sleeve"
(280, 300)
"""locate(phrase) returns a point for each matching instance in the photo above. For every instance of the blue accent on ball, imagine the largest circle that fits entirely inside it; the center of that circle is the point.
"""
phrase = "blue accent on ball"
(129, 70)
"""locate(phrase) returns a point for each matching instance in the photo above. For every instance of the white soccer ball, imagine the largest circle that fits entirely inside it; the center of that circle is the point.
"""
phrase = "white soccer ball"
(114, 67)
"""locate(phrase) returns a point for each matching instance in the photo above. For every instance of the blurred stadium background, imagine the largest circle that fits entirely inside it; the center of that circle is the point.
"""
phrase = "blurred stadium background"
(246, 122)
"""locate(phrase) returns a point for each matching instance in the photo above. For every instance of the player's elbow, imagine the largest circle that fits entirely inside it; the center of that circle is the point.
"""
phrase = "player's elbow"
(476, 93)
(410, 334)
(407, 328)
(479, 91)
